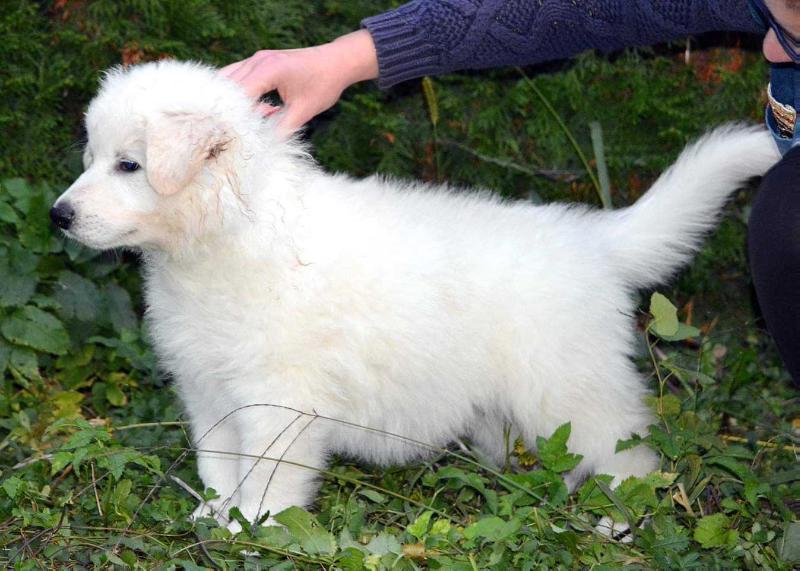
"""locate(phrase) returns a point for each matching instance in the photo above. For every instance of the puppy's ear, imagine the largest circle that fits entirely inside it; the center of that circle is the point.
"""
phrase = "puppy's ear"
(178, 146)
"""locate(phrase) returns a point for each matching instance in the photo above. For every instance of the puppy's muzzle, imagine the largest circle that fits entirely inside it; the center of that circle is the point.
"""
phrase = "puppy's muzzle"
(62, 215)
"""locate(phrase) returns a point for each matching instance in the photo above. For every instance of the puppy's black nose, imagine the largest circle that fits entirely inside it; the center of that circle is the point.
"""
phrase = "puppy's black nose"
(62, 214)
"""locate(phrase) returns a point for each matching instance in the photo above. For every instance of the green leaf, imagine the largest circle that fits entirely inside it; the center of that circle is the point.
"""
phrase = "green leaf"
(668, 405)
(118, 307)
(37, 329)
(684, 332)
(492, 528)
(789, 543)
(384, 543)
(5, 355)
(307, 531)
(714, 531)
(15, 289)
(18, 188)
(78, 297)
(471, 479)
(420, 526)
(12, 486)
(25, 362)
(8, 214)
(618, 503)
(115, 396)
(552, 452)
(665, 315)
(373, 495)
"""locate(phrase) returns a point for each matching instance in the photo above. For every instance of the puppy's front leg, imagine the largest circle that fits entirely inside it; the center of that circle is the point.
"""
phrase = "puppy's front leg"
(281, 453)
(217, 441)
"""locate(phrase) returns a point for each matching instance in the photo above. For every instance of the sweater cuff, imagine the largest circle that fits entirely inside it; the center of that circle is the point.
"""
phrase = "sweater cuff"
(404, 51)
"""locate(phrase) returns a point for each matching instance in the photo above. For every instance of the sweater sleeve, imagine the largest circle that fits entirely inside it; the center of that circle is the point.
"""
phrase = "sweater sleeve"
(431, 37)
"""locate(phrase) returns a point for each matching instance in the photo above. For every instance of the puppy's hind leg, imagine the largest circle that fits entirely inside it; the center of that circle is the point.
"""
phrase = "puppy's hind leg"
(601, 410)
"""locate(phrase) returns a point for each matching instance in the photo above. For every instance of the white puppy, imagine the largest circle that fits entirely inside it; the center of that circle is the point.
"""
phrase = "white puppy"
(421, 311)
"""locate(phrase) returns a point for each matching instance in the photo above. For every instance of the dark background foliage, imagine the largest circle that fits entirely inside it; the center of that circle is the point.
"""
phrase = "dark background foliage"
(91, 437)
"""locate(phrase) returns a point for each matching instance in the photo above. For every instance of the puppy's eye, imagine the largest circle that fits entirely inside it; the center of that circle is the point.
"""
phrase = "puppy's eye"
(128, 166)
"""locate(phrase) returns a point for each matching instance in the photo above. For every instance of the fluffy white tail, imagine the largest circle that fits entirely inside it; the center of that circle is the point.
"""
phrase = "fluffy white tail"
(653, 238)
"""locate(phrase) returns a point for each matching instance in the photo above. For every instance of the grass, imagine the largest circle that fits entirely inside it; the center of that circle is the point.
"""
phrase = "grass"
(94, 457)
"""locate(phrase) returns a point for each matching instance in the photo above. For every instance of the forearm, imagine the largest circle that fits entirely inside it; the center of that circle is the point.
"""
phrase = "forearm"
(429, 37)
(355, 55)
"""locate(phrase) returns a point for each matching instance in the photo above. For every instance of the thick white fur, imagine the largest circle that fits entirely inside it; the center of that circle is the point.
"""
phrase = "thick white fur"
(422, 311)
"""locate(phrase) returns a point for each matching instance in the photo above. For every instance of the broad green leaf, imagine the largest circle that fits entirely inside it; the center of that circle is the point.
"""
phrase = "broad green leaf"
(272, 535)
(118, 307)
(789, 543)
(492, 528)
(8, 214)
(384, 543)
(684, 332)
(15, 289)
(420, 526)
(714, 531)
(115, 395)
(305, 528)
(78, 297)
(18, 189)
(668, 405)
(665, 315)
(37, 329)
(25, 362)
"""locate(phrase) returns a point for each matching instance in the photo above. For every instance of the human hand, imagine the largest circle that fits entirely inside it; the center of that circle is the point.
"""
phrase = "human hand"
(308, 80)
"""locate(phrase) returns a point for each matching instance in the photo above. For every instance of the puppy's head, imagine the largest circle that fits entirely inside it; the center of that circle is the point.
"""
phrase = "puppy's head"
(164, 144)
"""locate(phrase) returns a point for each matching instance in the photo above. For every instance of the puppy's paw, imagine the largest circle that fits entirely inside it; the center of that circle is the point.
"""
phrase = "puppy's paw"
(619, 531)
(234, 527)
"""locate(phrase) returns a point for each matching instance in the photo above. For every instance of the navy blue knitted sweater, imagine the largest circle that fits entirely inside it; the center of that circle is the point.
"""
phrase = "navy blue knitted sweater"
(431, 37)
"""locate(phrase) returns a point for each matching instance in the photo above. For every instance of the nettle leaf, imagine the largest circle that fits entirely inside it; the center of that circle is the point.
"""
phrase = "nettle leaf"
(714, 531)
(553, 453)
(665, 441)
(37, 329)
(639, 494)
(305, 528)
(12, 486)
(493, 528)
(78, 297)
